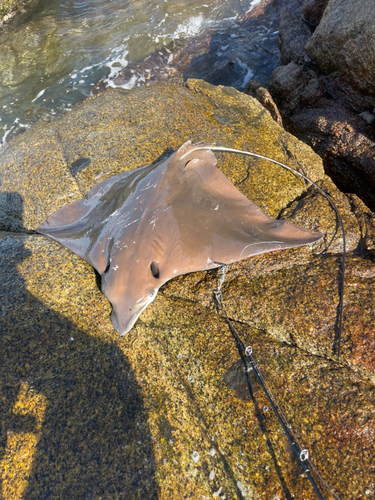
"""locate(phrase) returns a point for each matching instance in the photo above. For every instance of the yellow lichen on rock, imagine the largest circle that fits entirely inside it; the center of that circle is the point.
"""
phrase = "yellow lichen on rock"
(165, 411)
(20, 447)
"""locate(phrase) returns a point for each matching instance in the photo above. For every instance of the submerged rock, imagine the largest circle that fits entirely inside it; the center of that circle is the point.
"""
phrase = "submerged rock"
(16, 10)
(162, 412)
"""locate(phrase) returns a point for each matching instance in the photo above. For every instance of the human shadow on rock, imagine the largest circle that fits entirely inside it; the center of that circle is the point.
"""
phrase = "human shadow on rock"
(71, 393)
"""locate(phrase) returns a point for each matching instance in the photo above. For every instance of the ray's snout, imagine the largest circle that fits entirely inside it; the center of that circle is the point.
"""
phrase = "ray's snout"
(125, 315)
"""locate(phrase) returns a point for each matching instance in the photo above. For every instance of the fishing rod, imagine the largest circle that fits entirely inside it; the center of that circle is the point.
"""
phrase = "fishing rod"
(301, 454)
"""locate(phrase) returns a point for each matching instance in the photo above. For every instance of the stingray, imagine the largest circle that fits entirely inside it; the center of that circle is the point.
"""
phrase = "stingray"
(141, 228)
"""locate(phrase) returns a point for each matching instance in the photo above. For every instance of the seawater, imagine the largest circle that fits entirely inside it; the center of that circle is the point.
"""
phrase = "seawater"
(54, 59)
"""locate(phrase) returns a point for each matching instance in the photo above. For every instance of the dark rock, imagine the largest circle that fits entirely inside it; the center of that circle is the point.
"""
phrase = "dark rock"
(344, 41)
(313, 10)
(292, 86)
(344, 141)
(294, 34)
(79, 165)
(368, 117)
(256, 90)
(366, 220)
(328, 100)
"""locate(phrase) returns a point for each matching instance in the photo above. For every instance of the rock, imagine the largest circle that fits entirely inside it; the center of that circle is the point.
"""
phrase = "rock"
(16, 10)
(367, 116)
(325, 98)
(313, 10)
(313, 205)
(294, 34)
(366, 220)
(292, 87)
(31, 190)
(345, 142)
(71, 410)
(305, 300)
(163, 411)
(344, 42)
(255, 89)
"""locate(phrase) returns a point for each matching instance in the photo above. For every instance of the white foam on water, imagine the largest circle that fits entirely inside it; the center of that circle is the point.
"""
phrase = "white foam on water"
(87, 69)
(191, 27)
(7, 132)
(253, 4)
(248, 74)
(117, 62)
(39, 95)
(16, 124)
(127, 85)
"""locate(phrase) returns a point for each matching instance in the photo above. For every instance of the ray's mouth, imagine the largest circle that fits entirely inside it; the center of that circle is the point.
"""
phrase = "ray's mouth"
(122, 317)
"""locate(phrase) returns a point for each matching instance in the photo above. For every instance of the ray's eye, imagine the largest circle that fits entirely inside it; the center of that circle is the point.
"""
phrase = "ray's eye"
(155, 270)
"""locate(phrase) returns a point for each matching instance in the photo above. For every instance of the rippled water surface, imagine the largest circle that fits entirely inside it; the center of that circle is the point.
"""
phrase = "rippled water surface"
(55, 58)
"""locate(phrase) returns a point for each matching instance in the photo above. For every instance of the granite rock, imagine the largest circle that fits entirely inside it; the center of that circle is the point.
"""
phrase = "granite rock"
(344, 41)
(164, 412)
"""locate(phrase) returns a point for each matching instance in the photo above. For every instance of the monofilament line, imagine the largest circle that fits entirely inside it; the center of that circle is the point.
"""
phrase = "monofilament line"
(341, 290)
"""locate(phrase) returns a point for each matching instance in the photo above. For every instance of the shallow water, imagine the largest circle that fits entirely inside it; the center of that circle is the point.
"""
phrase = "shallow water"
(53, 60)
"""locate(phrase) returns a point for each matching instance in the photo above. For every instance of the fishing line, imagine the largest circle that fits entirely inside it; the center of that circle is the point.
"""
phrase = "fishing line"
(302, 454)
(341, 290)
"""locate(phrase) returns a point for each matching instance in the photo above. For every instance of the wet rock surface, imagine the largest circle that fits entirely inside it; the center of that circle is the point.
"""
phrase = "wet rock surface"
(163, 411)
(16, 11)
(211, 56)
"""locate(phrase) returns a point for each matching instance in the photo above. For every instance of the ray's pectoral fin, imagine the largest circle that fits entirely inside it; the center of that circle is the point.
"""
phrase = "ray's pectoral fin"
(78, 224)
(68, 226)
(238, 227)
(253, 233)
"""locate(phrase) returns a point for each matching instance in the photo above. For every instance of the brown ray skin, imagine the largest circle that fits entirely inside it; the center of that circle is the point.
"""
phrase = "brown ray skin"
(141, 228)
